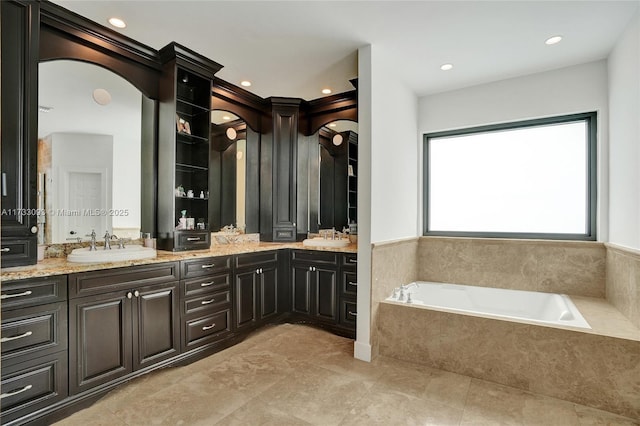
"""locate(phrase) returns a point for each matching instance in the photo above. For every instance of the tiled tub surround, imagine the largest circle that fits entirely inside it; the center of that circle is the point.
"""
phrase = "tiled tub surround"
(590, 369)
(623, 281)
(598, 367)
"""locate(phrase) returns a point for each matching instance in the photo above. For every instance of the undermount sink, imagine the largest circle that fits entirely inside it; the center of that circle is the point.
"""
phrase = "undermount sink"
(132, 252)
(322, 242)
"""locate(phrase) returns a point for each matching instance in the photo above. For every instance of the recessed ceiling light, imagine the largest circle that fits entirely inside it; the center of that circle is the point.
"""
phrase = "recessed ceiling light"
(117, 22)
(44, 109)
(245, 83)
(332, 124)
(553, 40)
(226, 117)
(326, 91)
(446, 67)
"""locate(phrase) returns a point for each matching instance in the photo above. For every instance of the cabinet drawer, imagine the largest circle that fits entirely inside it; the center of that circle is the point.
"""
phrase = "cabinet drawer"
(209, 328)
(205, 285)
(348, 313)
(34, 331)
(315, 256)
(33, 291)
(211, 302)
(205, 266)
(255, 259)
(18, 251)
(32, 385)
(192, 240)
(105, 281)
(349, 285)
(350, 261)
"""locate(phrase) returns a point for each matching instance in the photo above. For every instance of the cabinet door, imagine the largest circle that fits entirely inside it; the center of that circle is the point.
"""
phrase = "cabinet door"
(19, 83)
(268, 279)
(99, 340)
(325, 293)
(246, 298)
(156, 326)
(301, 289)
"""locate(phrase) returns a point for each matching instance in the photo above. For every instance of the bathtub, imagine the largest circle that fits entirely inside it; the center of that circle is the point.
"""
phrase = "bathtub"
(528, 306)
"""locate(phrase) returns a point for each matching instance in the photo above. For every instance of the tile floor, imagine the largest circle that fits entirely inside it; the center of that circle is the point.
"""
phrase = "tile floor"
(298, 375)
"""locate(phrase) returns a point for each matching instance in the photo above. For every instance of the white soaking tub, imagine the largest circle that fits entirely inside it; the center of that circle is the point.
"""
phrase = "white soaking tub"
(530, 306)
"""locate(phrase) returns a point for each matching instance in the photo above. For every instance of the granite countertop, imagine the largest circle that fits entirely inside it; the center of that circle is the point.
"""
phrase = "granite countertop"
(59, 265)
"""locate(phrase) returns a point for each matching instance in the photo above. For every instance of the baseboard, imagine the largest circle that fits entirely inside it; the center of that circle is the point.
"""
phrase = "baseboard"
(362, 351)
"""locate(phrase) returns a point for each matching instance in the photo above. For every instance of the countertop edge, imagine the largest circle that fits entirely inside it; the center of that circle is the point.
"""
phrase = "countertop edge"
(60, 266)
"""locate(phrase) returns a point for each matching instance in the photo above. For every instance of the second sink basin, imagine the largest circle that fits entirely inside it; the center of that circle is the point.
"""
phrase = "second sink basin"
(132, 252)
(321, 242)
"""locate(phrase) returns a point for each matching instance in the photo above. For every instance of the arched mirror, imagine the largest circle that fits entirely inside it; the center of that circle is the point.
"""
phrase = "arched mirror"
(231, 157)
(89, 152)
(337, 181)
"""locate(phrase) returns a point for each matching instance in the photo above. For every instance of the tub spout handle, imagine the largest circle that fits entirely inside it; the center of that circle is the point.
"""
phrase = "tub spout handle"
(409, 298)
(401, 296)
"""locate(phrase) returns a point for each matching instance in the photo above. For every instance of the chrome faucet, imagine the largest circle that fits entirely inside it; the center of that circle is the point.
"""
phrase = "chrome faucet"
(92, 246)
(107, 240)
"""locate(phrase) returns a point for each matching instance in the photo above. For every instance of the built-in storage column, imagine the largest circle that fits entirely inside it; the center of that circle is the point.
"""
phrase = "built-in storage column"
(19, 76)
(279, 170)
(34, 345)
(184, 206)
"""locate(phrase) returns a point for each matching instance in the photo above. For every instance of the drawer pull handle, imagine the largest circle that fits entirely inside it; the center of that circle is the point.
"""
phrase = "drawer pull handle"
(206, 302)
(9, 296)
(207, 284)
(20, 336)
(353, 260)
(353, 283)
(209, 327)
(193, 239)
(355, 314)
(211, 265)
(6, 250)
(15, 392)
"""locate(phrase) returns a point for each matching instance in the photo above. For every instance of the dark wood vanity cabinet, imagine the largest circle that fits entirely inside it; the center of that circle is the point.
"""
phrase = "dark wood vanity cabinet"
(259, 288)
(121, 320)
(184, 149)
(34, 346)
(323, 289)
(206, 315)
(314, 284)
(19, 88)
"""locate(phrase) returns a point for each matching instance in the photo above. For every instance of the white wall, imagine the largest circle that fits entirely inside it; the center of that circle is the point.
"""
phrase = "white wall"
(394, 154)
(580, 88)
(624, 138)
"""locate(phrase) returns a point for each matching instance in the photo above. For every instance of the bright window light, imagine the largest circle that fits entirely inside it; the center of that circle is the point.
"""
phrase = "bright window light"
(525, 181)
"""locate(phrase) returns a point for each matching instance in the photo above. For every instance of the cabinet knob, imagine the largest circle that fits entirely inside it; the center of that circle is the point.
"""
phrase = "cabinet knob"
(34, 229)
(136, 293)
(129, 295)
(5, 250)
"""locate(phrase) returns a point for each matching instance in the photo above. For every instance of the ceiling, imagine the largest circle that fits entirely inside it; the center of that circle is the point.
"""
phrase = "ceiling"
(297, 48)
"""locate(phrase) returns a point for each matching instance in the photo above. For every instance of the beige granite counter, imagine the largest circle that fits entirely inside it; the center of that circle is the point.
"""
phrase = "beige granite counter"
(59, 266)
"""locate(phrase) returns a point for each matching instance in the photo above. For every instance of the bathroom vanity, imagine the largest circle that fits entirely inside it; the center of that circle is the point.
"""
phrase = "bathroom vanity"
(72, 332)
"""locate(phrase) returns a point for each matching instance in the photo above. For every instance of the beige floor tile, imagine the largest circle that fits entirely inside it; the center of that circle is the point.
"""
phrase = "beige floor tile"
(588, 416)
(298, 375)
(393, 408)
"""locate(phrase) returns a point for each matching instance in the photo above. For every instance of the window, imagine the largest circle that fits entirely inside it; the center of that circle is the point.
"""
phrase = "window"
(529, 179)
